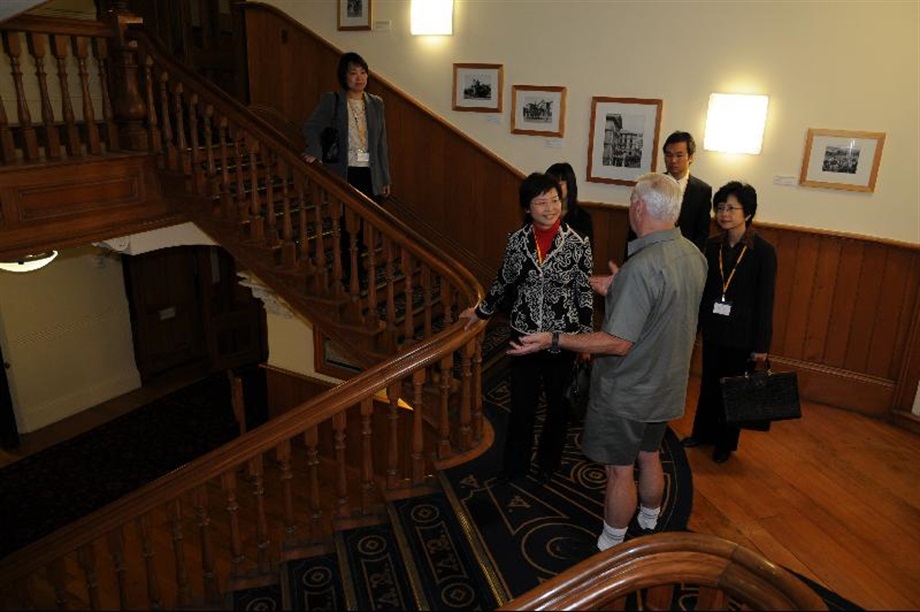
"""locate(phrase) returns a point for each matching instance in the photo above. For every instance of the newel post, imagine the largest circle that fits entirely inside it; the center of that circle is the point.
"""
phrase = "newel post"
(128, 103)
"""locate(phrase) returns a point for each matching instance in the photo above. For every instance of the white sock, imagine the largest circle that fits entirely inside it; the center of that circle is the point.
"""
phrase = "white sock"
(648, 517)
(610, 536)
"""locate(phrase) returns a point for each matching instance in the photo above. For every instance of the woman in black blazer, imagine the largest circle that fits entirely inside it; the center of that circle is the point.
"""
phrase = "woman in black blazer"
(546, 266)
(736, 312)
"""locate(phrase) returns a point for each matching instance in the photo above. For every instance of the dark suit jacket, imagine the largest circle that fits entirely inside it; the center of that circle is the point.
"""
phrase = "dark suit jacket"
(693, 220)
(694, 212)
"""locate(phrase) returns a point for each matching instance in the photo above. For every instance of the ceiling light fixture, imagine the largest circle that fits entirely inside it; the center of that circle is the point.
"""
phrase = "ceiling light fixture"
(29, 263)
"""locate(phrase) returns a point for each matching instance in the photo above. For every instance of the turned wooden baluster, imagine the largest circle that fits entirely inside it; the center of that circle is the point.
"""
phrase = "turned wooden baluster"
(13, 46)
(185, 166)
(465, 439)
(210, 187)
(418, 437)
(287, 227)
(320, 280)
(352, 229)
(228, 484)
(129, 107)
(174, 509)
(237, 403)
(336, 210)
(444, 447)
(367, 455)
(427, 298)
(81, 51)
(311, 441)
(198, 178)
(101, 47)
(225, 196)
(240, 209)
(339, 424)
(257, 481)
(447, 302)
(153, 584)
(86, 558)
(203, 519)
(268, 167)
(153, 124)
(7, 148)
(60, 48)
(283, 455)
(371, 318)
(168, 147)
(477, 389)
(256, 220)
(389, 257)
(408, 265)
(38, 47)
(302, 256)
(116, 545)
(394, 391)
(57, 575)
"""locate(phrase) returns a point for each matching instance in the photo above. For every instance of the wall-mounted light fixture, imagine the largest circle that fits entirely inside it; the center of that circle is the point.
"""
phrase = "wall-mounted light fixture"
(735, 123)
(29, 262)
(432, 17)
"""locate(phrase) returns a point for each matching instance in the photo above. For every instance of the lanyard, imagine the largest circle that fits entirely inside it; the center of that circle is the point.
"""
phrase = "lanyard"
(726, 283)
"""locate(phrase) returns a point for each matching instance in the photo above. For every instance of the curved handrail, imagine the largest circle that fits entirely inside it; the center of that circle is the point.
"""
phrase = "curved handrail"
(671, 558)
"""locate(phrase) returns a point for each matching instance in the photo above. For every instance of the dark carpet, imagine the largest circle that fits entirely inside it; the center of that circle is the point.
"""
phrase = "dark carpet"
(45, 491)
(532, 531)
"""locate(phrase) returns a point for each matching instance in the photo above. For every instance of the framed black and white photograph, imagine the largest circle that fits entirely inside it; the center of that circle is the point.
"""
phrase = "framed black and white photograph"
(478, 88)
(538, 111)
(841, 159)
(623, 142)
(354, 14)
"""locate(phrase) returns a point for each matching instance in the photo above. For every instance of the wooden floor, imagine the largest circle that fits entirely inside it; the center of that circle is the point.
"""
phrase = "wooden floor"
(834, 496)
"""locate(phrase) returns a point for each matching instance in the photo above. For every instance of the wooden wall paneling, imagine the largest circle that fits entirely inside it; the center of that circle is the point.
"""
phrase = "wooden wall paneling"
(787, 246)
(822, 299)
(892, 321)
(909, 376)
(865, 307)
(841, 313)
(800, 300)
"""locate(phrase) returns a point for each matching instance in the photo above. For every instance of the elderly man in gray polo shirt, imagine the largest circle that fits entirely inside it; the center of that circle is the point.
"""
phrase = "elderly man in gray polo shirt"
(639, 379)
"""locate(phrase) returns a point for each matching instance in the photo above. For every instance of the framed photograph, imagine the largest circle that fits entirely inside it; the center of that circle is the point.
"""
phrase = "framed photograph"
(538, 111)
(478, 88)
(841, 159)
(623, 144)
(354, 14)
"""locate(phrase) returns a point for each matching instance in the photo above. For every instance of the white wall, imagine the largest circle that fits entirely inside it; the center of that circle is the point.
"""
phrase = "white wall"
(837, 65)
(66, 332)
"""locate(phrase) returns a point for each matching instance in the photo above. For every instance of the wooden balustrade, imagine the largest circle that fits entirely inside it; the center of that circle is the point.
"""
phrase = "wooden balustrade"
(227, 519)
(73, 111)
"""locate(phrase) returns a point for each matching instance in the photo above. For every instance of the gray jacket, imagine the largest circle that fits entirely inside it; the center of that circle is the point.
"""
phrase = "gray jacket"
(376, 135)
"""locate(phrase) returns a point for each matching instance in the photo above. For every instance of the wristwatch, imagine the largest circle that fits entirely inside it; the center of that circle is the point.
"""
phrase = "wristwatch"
(554, 345)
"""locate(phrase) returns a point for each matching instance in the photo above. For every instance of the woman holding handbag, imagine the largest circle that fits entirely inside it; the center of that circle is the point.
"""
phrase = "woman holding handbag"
(360, 129)
(736, 312)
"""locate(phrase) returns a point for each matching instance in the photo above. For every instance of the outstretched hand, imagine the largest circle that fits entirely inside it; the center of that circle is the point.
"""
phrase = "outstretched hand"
(601, 284)
(470, 315)
(530, 344)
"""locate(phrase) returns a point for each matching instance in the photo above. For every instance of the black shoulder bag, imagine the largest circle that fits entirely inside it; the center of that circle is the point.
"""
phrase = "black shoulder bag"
(329, 137)
(755, 399)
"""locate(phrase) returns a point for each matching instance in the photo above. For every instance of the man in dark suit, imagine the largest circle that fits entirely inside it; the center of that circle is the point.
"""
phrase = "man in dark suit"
(696, 201)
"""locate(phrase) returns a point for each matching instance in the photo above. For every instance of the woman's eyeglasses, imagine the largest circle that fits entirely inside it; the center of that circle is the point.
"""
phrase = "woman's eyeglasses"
(727, 208)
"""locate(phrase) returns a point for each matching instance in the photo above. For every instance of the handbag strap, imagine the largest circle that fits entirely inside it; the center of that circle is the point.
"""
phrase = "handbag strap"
(335, 110)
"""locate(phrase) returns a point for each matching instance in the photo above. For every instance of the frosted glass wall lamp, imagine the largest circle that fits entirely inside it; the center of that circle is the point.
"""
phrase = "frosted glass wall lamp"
(29, 263)
(735, 123)
(432, 17)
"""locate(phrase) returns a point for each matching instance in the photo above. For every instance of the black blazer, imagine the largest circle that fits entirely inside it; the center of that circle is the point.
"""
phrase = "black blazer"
(693, 220)
(694, 212)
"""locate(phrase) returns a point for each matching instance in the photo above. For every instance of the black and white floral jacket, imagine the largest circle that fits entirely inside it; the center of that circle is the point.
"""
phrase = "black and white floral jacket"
(552, 296)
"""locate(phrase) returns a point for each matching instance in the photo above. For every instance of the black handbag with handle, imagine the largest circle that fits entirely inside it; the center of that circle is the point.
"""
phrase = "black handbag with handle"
(329, 137)
(760, 397)
(576, 390)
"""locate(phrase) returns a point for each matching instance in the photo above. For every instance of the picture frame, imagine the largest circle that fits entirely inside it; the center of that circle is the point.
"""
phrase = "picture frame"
(623, 143)
(354, 14)
(478, 88)
(538, 111)
(841, 159)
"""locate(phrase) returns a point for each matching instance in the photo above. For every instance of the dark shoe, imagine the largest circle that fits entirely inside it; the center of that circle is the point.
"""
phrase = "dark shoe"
(544, 476)
(720, 455)
(690, 442)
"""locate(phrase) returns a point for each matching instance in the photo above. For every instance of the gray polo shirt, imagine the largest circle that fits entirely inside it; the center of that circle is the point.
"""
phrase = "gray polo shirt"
(653, 302)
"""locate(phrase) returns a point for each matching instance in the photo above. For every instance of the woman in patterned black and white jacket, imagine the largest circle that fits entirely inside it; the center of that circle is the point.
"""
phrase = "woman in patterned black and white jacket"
(546, 266)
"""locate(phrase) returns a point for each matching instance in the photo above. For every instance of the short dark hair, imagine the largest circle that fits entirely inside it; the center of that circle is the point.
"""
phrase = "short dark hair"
(744, 193)
(678, 136)
(534, 185)
(348, 59)
(562, 171)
